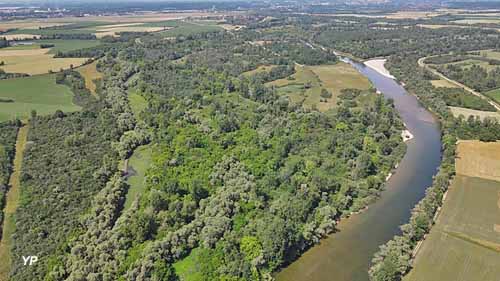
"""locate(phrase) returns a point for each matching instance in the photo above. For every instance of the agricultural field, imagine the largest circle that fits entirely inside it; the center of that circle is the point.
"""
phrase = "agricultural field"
(478, 21)
(308, 81)
(35, 61)
(103, 26)
(465, 242)
(90, 73)
(59, 45)
(466, 112)
(39, 93)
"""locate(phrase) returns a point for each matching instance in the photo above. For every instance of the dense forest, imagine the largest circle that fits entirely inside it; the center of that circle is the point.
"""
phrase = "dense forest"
(8, 133)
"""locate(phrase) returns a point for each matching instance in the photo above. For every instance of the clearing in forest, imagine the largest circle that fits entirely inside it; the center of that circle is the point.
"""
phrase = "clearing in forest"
(494, 94)
(466, 112)
(11, 203)
(465, 242)
(136, 172)
(308, 81)
(90, 74)
(41, 93)
(443, 83)
(35, 61)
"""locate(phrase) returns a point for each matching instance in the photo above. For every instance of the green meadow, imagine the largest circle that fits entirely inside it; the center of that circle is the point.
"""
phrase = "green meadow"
(494, 94)
(40, 93)
(137, 167)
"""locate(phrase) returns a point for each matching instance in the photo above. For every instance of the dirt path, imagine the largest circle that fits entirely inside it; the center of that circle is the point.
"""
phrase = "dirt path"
(12, 201)
(435, 72)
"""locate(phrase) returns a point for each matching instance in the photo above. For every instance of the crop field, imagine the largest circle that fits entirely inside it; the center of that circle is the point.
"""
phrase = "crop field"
(113, 25)
(28, 24)
(35, 61)
(59, 45)
(477, 20)
(443, 83)
(465, 242)
(333, 78)
(39, 93)
(137, 167)
(479, 159)
(466, 112)
(90, 73)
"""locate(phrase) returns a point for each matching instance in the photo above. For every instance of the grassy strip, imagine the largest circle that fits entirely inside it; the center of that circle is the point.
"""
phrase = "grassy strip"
(11, 205)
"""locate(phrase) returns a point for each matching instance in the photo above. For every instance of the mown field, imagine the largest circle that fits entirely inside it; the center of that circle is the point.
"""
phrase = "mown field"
(90, 74)
(465, 242)
(443, 83)
(306, 84)
(35, 61)
(39, 93)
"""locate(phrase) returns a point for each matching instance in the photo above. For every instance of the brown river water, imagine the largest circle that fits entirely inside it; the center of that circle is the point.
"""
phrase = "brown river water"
(346, 254)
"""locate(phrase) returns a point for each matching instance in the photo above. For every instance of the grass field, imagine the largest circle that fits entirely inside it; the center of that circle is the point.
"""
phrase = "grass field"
(137, 102)
(39, 93)
(36, 61)
(494, 94)
(12, 201)
(465, 242)
(466, 112)
(137, 166)
(491, 54)
(468, 63)
(183, 28)
(260, 69)
(90, 73)
(187, 268)
(333, 78)
(443, 83)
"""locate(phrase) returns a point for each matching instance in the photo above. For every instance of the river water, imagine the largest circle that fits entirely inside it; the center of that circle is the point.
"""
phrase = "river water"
(346, 255)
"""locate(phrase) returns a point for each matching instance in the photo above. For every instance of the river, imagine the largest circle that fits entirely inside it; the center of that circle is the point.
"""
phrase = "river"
(346, 254)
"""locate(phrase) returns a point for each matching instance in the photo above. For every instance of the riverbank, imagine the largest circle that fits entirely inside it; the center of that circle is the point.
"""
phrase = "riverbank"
(346, 255)
(11, 203)
(378, 65)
